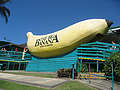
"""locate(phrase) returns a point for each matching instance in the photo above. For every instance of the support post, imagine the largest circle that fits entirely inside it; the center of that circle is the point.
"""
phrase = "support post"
(97, 66)
(73, 72)
(76, 66)
(80, 64)
(26, 63)
(112, 77)
(8, 65)
(19, 66)
(89, 73)
(25, 66)
(13, 66)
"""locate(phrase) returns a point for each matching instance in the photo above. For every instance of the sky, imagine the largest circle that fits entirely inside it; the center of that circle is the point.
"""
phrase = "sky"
(46, 16)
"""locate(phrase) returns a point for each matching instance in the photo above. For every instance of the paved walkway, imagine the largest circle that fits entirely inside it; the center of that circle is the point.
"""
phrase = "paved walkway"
(32, 80)
(101, 84)
(52, 82)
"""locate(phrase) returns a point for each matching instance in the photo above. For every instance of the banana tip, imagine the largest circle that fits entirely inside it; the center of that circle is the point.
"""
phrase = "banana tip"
(29, 34)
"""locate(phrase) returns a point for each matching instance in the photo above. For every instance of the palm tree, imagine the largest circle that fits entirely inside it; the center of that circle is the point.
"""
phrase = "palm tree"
(4, 12)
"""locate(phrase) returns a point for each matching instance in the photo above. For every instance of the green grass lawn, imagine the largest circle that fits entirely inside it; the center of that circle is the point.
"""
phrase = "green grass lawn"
(7, 85)
(33, 74)
(72, 85)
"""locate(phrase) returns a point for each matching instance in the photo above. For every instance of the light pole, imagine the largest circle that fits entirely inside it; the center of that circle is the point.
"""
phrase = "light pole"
(112, 76)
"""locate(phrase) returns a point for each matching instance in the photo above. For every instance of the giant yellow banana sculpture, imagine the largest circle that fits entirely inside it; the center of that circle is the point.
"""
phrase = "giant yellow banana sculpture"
(67, 39)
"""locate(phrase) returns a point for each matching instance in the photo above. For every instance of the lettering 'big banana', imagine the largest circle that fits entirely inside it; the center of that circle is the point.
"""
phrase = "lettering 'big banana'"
(67, 39)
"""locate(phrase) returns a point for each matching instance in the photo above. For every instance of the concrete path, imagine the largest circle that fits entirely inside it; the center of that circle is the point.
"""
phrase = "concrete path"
(101, 84)
(32, 80)
(52, 82)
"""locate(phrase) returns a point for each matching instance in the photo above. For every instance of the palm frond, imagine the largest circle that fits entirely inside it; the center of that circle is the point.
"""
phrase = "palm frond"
(4, 12)
(4, 1)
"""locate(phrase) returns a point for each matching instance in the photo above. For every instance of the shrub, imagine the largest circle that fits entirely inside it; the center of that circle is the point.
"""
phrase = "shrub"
(115, 58)
(66, 73)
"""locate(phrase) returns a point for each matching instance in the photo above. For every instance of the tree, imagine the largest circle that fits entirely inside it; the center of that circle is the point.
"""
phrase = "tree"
(4, 12)
(115, 58)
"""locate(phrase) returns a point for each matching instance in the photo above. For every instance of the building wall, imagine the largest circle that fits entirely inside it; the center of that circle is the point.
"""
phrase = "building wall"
(52, 64)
